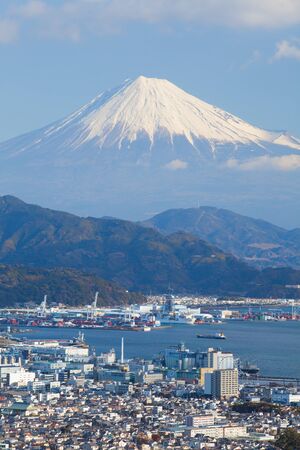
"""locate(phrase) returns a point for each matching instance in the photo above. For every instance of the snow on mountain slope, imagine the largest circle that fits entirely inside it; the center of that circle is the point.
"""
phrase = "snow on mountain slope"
(146, 146)
(152, 106)
(149, 108)
(289, 141)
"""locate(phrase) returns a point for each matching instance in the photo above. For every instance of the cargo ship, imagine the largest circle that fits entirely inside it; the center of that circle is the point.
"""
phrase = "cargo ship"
(212, 336)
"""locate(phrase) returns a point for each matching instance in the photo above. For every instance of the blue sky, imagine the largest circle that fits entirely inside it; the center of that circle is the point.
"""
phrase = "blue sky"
(241, 55)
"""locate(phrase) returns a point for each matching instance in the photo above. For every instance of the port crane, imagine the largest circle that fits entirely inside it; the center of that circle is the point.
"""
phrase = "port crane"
(92, 309)
(42, 309)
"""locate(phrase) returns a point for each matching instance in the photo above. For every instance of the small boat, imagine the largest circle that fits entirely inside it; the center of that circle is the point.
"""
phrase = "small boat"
(211, 336)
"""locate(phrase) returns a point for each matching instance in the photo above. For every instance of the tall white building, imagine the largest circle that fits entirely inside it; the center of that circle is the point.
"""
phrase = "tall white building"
(216, 359)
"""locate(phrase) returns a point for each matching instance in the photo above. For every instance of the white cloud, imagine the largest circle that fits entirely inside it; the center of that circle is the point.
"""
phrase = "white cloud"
(177, 164)
(8, 31)
(74, 19)
(249, 13)
(283, 163)
(287, 49)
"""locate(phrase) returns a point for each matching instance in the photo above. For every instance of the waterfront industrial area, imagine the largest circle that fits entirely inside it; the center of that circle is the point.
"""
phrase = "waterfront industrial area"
(158, 312)
(60, 393)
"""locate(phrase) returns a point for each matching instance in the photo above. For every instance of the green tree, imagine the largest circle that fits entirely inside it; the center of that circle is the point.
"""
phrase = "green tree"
(289, 440)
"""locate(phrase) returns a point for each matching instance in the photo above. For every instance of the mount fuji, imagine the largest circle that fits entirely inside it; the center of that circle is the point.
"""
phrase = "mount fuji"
(148, 145)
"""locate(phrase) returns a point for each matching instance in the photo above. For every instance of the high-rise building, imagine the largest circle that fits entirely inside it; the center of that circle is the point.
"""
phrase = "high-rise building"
(225, 383)
(216, 359)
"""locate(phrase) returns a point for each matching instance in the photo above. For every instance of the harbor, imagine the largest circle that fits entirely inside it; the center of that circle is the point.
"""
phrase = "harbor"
(264, 335)
(267, 344)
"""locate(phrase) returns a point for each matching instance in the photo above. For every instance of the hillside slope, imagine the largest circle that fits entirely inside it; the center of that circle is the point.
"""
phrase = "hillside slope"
(19, 285)
(136, 257)
(258, 242)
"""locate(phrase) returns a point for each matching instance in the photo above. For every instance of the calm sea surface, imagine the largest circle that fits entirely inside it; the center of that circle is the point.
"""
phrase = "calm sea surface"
(273, 346)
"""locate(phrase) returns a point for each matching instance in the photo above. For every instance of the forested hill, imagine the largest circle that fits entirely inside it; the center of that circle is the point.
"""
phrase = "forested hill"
(19, 285)
(136, 257)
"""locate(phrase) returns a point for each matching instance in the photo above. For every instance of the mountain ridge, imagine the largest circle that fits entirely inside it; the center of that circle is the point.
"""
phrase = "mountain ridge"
(129, 254)
(256, 241)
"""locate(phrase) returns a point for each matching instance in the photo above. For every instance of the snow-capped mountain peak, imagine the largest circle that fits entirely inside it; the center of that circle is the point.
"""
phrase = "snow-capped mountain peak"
(147, 145)
(152, 107)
